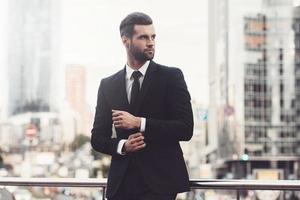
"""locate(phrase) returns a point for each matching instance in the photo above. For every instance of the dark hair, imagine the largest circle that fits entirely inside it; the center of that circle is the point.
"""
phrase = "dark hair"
(136, 18)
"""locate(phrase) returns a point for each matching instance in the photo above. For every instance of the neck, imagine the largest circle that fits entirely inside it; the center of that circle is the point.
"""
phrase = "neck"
(135, 64)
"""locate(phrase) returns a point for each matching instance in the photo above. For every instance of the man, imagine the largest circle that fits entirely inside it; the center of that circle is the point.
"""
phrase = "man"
(149, 106)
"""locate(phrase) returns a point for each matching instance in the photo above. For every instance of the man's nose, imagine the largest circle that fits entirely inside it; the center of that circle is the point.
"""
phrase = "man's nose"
(150, 42)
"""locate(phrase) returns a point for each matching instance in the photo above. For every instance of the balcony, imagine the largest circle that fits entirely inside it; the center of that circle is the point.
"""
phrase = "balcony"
(238, 186)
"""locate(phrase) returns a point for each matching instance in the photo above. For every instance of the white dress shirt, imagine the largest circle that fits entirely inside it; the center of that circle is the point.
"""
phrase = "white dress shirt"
(129, 82)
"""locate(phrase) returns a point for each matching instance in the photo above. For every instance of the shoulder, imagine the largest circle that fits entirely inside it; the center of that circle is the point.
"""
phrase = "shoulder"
(168, 70)
(113, 78)
(172, 75)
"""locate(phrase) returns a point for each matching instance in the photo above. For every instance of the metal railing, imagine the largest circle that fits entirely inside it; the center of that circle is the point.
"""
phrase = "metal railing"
(241, 185)
(237, 185)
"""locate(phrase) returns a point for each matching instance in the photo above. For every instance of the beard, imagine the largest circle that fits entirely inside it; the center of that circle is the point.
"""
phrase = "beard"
(141, 55)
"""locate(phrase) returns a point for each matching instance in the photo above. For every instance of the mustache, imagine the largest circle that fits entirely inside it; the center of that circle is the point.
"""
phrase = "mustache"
(150, 49)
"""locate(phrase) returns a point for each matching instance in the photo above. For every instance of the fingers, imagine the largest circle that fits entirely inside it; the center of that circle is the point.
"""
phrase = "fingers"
(136, 139)
(136, 146)
(139, 147)
(135, 135)
(117, 118)
(135, 142)
(116, 113)
(121, 124)
(118, 125)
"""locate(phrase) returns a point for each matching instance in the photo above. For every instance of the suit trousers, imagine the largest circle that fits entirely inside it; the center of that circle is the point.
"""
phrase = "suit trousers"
(133, 187)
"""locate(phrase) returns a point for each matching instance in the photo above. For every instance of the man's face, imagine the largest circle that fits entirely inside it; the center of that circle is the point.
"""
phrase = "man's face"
(142, 44)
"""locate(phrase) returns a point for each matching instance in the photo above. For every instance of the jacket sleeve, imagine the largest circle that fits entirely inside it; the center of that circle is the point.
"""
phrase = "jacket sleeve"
(179, 123)
(101, 139)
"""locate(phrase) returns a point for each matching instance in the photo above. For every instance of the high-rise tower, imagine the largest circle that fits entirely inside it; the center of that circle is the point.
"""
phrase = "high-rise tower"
(33, 53)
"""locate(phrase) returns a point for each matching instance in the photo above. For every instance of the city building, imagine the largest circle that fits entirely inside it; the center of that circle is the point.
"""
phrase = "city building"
(46, 125)
(32, 77)
(33, 56)
(3, 61)
(252, 84)
(76, 87)
(226, 53)
(75, 78)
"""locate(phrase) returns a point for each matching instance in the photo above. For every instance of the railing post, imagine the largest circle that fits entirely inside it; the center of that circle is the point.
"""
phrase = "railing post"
(237, 194)
(103, 193)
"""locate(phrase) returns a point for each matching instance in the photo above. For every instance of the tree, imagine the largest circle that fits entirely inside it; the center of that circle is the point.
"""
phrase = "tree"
(79, 141)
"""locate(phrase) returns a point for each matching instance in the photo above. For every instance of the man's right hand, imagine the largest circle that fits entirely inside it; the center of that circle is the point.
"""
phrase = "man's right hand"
(134, 143)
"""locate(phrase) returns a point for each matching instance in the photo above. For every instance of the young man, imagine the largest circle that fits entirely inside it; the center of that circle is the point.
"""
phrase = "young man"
(149, 106)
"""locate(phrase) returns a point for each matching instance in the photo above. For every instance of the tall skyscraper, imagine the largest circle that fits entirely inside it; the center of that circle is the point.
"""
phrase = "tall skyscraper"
(33, 53)
(226, 74)
(218, 40)
(76, 87)
(269, 89)
(32, 69)
(3, 60)
(255, 109)
(76, 98)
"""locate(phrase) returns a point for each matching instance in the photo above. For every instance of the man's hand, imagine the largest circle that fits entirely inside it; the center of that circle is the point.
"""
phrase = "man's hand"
(123, 119)
(134, 143)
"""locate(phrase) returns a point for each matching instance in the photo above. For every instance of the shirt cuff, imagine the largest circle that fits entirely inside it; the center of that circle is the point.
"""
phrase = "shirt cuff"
(120, 146)
(143, 124)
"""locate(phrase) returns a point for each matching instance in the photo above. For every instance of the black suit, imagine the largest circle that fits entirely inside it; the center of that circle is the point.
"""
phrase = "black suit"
(165, 103)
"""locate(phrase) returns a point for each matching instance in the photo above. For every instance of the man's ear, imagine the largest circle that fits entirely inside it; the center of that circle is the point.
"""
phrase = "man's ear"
(125, 41)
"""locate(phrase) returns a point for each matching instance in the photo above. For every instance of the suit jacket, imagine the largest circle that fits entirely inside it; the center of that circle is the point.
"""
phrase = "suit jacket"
(165, 103)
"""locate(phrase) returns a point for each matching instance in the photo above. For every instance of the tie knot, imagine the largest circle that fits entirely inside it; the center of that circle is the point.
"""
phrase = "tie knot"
(136, 75)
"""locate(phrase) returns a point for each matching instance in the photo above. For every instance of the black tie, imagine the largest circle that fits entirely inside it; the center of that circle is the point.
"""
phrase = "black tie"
(135, 88)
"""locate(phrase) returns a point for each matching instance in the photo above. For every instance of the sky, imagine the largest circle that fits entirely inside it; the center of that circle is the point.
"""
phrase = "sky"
(90, 36)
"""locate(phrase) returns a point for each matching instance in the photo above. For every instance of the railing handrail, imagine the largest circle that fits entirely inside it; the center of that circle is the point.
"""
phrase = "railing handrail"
(234, 184)
(237, 184)
(53, 182)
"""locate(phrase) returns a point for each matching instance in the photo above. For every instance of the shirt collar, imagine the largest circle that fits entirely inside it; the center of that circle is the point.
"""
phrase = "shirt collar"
(142, 69)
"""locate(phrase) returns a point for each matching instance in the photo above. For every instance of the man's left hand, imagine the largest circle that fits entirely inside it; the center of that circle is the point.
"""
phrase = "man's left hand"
(125, 120)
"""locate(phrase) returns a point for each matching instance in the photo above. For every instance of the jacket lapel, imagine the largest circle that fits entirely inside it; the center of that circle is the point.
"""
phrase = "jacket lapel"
(121, 93)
